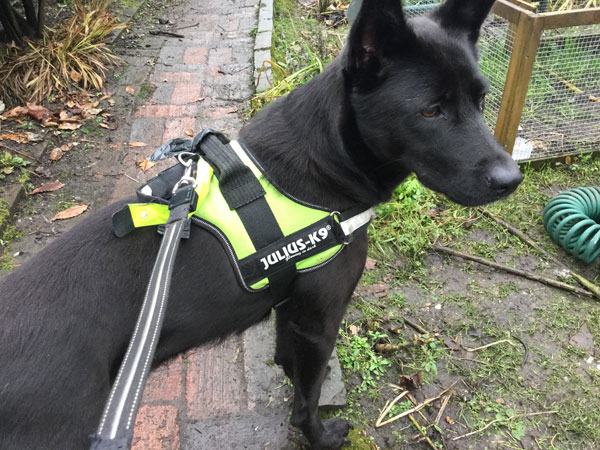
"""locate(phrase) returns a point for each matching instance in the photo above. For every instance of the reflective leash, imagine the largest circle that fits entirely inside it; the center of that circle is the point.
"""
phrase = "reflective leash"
(115, 431)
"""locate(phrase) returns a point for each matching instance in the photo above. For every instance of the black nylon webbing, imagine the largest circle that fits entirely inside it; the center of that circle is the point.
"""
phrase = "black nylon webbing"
(244, 193)
(238, 184)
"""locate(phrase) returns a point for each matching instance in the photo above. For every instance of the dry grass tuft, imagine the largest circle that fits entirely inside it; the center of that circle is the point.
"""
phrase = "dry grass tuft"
(74, 52)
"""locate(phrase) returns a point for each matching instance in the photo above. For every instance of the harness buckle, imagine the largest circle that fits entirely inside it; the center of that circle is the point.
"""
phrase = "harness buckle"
(337, 220)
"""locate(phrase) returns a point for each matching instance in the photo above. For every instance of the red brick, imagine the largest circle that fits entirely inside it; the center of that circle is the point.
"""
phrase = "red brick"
(165, 382)
(184, 93)
(167, 110)
(215, 383)
(175, 128)
(220, 55)
(156, 428)
(173, 77)
(195, 55)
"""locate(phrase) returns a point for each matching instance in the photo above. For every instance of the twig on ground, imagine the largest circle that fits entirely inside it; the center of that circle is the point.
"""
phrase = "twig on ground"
(166, 33)
(414, 401)
(26, 155)
(522, 273)
(483, 347)
(388, 407)
(422, 431)
(593, 288)
(132, 179)
(419, 407)
(416, 326)
(187, 26)
(443, 407)
(516, 416)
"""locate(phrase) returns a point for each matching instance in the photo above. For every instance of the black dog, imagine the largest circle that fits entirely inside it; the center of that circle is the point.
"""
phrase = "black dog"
(405, 96)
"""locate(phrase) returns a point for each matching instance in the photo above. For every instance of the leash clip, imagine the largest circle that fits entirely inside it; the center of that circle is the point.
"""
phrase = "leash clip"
(187, 179)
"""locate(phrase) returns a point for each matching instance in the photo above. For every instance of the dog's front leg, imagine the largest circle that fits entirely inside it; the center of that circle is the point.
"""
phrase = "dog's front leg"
(304, 353)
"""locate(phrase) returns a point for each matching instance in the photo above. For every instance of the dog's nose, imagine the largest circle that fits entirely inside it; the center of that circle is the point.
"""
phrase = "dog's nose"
(504, 180)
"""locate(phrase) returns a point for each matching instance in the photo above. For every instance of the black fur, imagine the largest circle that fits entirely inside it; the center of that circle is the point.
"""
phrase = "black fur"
(347, 138)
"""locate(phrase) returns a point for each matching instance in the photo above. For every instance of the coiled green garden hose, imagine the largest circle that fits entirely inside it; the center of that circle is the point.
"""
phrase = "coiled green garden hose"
(571, 220)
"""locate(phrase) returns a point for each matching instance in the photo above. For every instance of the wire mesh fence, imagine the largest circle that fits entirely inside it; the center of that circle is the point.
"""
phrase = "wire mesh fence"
(561, 115)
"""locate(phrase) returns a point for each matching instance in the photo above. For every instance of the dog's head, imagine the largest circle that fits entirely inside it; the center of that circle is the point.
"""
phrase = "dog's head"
(418, 97)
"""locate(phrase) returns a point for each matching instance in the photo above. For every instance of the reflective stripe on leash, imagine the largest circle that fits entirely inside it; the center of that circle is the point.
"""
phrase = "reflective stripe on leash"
(115, 431)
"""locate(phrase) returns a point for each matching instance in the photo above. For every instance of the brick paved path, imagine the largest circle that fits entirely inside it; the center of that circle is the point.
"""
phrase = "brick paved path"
(228, 395)
(209, 397)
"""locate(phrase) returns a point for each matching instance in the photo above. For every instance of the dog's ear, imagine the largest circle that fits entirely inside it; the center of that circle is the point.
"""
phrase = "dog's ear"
(376, 33)
(463, 15)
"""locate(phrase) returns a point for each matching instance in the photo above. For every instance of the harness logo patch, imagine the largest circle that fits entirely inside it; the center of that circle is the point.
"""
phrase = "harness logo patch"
(296, 248)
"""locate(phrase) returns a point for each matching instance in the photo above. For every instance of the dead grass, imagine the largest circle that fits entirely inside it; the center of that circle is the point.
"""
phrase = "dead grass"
(73, 53)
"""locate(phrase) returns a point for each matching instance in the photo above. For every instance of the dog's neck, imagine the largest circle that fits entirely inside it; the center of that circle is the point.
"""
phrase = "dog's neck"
(309, 144)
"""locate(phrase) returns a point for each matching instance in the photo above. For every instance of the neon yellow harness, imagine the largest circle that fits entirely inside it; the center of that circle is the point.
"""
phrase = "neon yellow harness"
(313, 236)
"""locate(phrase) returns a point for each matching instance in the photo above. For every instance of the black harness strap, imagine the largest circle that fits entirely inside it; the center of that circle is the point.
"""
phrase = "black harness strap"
(244, 193)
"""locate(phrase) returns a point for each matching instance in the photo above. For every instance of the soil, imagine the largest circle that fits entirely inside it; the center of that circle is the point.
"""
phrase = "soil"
(89, 169)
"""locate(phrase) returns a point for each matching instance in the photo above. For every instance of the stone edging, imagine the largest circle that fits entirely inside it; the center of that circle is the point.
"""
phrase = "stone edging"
(263, 79)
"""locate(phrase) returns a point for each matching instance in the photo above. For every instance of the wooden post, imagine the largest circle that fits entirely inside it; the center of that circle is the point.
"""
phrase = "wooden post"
(529, 27)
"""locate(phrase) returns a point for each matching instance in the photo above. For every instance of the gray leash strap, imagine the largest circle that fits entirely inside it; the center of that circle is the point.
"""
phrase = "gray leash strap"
(115, 431)
(116, 426)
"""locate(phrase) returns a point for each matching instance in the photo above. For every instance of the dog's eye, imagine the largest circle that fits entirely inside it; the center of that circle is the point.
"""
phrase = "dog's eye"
(434, 111)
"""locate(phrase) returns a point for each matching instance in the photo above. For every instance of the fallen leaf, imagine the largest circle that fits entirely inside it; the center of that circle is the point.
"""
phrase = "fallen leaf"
(47, 187)
(70, 104)
(137, 144)
(144, 164)
(198, 99)
(451, 343)
(37, 112)
(370, 264)
(410, 382)
(15, 112)
(501, 401)
(129, 90)
(56, 154)
(111, 102)
(88, 113)
(71, 212)
(189, 132)
(19, 138)
(91, 105)
(50, 123)
(35, 137)
(69, 126)
(44, 171)
(449, 420)
(104, 125)
(75, 76)
(354, 329)
(64, 116)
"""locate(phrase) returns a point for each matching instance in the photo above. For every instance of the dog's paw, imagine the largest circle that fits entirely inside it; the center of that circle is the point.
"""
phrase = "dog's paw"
(334, 434)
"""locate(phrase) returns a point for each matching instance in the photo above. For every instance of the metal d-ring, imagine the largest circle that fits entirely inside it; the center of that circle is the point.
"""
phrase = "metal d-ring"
(187, 177)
